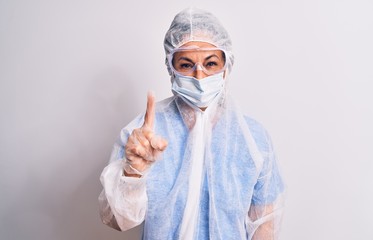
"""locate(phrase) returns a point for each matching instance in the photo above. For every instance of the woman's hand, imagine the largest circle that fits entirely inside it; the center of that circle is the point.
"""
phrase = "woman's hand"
(143, 146)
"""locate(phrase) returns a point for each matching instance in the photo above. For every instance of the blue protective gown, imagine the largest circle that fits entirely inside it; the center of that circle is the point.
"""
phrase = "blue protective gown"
(239, 173)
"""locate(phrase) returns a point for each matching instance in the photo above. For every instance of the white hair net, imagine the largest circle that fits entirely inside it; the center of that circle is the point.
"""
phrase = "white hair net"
(193, 24)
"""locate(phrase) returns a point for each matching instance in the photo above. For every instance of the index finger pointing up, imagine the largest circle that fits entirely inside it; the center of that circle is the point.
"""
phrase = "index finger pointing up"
(150, 111)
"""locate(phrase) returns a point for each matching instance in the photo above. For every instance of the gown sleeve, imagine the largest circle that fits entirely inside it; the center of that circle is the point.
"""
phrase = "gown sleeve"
(123, 200)
(266, 210)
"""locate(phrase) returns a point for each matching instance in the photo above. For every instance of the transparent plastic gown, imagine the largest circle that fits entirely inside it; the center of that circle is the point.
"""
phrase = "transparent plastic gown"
(217, 179)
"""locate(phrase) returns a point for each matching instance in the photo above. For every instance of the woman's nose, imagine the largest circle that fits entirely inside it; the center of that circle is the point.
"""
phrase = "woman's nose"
(199, 73)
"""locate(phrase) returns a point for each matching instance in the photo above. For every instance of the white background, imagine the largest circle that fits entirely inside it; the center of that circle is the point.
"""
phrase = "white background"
(73, 73)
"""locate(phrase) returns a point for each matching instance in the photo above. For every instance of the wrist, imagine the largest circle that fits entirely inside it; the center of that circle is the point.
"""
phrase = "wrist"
(131, 174)
(130, 171)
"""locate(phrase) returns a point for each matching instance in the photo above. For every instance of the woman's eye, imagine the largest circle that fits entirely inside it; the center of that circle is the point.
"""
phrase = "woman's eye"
(211, 64)
(186, 65)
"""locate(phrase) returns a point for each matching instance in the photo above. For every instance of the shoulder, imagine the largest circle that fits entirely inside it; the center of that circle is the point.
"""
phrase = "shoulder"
(254, 124)
(165, 104)
(259, 133)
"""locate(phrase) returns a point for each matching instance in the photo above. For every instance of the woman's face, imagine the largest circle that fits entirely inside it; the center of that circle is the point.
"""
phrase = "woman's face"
(198, 59)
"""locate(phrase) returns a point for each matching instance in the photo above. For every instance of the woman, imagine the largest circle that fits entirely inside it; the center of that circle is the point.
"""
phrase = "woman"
(194, 167)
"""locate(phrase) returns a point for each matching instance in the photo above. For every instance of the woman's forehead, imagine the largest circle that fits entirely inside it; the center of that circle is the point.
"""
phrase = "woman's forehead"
(198, 53)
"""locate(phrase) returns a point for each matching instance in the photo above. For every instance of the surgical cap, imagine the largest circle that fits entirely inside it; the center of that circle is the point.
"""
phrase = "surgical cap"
(193, 24)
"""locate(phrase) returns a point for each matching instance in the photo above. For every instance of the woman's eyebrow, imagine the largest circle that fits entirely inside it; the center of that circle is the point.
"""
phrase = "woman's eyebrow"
(213, 55)
(185, 58)
(189, 60)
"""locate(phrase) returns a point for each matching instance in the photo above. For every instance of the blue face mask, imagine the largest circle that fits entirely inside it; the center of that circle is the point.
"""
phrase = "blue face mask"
(199, 93)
